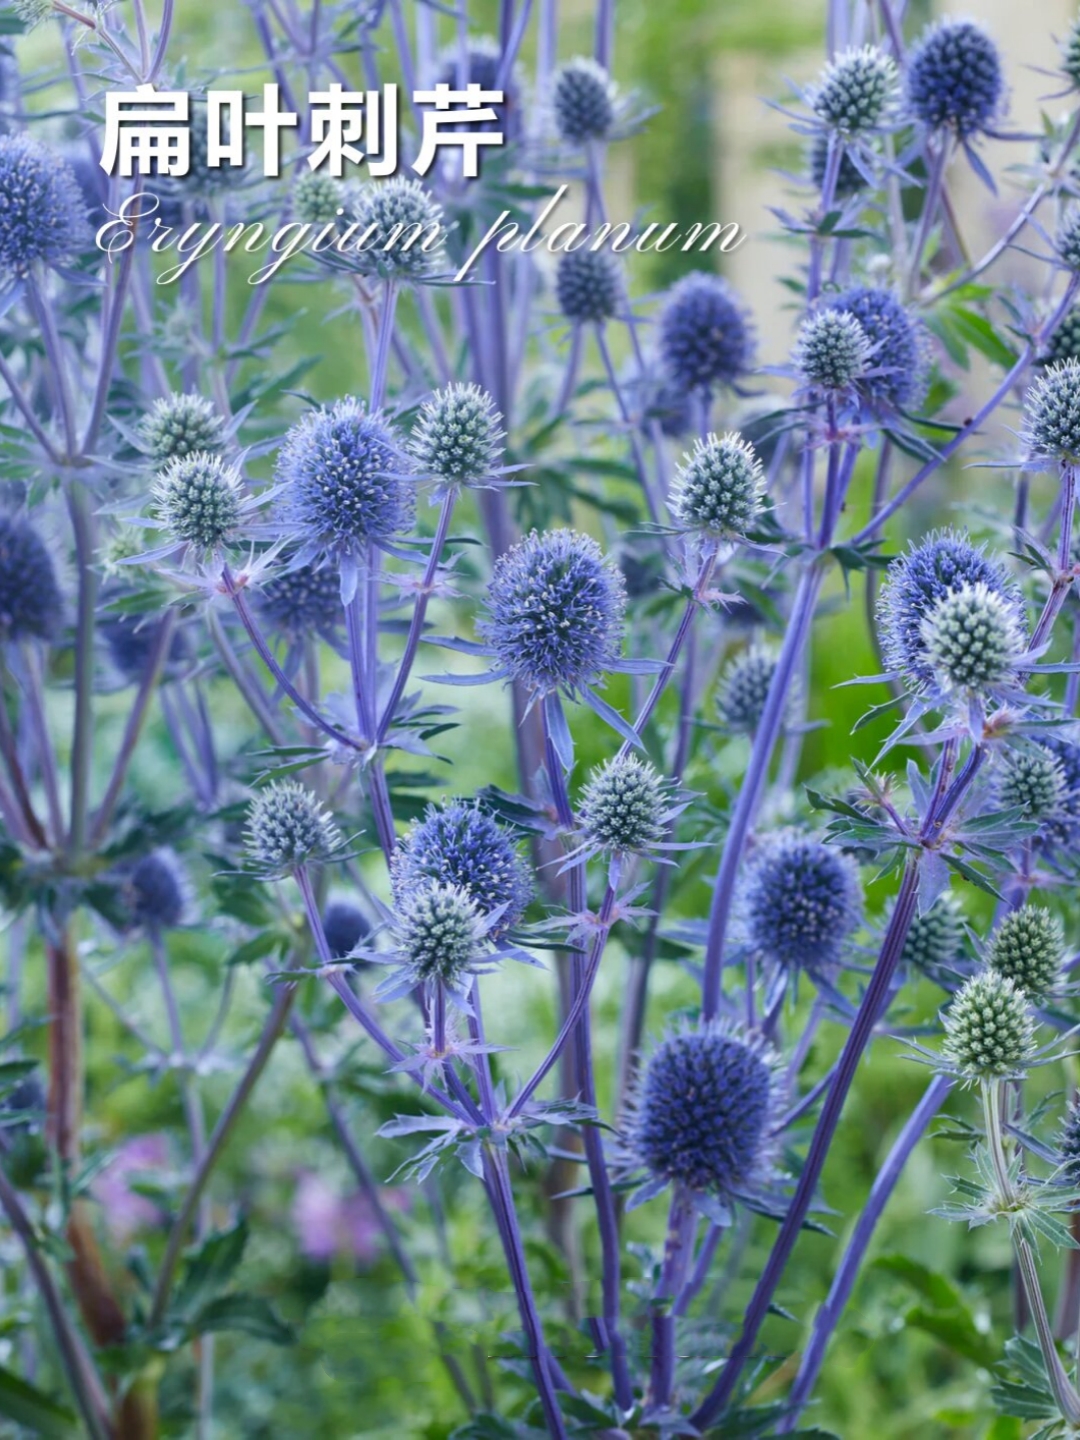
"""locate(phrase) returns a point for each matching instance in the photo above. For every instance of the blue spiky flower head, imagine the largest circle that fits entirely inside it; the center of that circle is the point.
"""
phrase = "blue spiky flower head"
(856, 91)
(1052, 413)
(832, 351)
(849, 180)
(944, 561)
(288, 826)
(457, 439)
(1069, 1145)
(158, 891)
(318, 199)
(718, 487)
(935, 936)
(1028, 945)
(972, 640)
(1065, 342)
(556, 611)
(178, 425)
(439, 933)
(703, 1112)
(989, 1028)
(132, 640)
(199, 500)
(897, 377)
(801, 900)
(302, 601)
(42, 210)
(462, 845)
(1070, 54)
(344, 480)
(582, 101)
(1067, 238)
(1058, 832)
(705, 335)
(589, 286)
(743, 688)
(401, 230)
(954, 78)
(30, 604)
(1032, 781)
(624, 807)
(344, 926)
(483, 66)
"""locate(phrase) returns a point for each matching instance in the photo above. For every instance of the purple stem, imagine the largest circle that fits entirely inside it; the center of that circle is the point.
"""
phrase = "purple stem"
(266, 655)
(944, 802)
(133, 728)
(828, 1316)
(501, 1198)
(938, 157)
(416, 627)
(603, 1197)
(678, 1251)
(577, 1006)
(772, 719)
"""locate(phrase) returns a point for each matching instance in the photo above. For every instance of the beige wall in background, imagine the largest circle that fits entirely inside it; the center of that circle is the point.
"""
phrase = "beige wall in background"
(751, 137)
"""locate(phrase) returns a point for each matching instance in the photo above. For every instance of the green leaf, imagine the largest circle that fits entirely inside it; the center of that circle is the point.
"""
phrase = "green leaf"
(27, 1406)
(924, 1281)
(248, 1313)
(210, 1268)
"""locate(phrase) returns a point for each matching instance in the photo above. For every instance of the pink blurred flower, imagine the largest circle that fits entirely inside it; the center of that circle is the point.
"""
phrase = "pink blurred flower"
(125, 1211)
(329, 1224)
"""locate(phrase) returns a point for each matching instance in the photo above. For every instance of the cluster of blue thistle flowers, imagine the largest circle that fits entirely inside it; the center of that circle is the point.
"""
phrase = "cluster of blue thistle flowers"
(745, 522)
